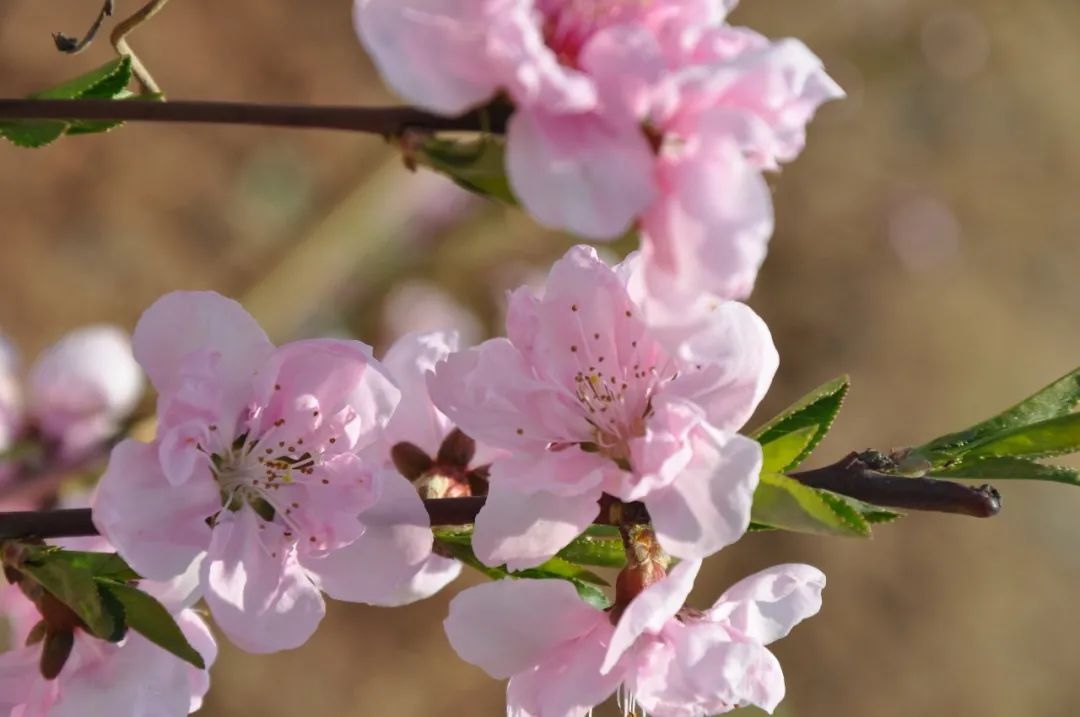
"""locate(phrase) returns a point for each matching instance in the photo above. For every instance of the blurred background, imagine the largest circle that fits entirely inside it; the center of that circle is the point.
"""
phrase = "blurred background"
(925, 244)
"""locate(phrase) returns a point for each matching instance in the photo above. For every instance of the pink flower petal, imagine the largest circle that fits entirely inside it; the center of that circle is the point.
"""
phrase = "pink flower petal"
(258, 593)
(529, 70)
(198, 634)
(628, 65)
(158, 528)
(708, 506)
(706, 235)
(432, 52)
(732, 673)
(395, 545)
(436, 573)
(579, 172)
(409, 361)
(491, 393)
(734, 358)
(568, 683)
(508, 626)
(523, 530)
(767, 605)
(304, 384)
(650, 610)
(185, 322)
(660, 456)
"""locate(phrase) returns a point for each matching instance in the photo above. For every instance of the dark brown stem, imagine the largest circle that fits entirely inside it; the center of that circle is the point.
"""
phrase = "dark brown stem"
(853, 477)
(849, 476)
(385, 121)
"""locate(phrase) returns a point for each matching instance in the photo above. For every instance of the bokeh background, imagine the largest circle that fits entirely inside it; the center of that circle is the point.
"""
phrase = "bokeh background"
(925, 244)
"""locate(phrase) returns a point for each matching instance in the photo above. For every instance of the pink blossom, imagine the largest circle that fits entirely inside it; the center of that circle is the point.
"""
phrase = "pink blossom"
(656, 114)
(81, 388)
(417, 422)
(564, 657)
(587, 399)
(255, 475)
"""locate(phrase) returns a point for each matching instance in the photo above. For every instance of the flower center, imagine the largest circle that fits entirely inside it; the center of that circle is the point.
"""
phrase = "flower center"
(569, 24)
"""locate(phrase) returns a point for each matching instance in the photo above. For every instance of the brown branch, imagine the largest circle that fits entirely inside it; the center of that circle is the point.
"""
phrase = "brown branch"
(852, 476)
(385, 121)
(849, 476)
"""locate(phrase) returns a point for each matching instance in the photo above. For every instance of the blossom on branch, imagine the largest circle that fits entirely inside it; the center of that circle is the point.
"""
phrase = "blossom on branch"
(585, 399)
(421, 444)
(255, 473)
(80, 389)
(564, 657)
(655, 114)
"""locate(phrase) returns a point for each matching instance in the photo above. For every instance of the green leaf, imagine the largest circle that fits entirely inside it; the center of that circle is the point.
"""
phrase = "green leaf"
(475, 164)
(101, 565)
(601, 552)
(458, 543)
(1008, 468)
(102, 83)
(1057, 399)
(593, 595)
(785, 452)
(785, 503)
(75, 587)
(1053, 437)
(816, 410)
(108, 82)
(563, 569)
(148, 617)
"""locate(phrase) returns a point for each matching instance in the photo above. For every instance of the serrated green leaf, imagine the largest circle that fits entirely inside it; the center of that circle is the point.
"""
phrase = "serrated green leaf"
(785, 503)
(477, 165)
(108, 82)
(148, 617)
(101, 83)
(1008, 468)
(1053, 437)
(816, 410)
(784, 453)
(75, 587)
(31, 134)
(1057, 399)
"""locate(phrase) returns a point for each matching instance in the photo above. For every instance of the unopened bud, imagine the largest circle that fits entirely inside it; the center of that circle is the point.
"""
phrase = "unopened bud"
(410, 460)
(457, 449)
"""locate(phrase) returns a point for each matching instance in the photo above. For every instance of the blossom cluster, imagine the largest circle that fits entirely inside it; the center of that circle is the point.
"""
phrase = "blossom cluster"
(282, 475)
(656, 115)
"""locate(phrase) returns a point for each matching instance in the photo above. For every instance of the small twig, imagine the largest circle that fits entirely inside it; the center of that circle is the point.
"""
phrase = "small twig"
(70, 45)
(385, 121)
(119, 41)
(852, 476)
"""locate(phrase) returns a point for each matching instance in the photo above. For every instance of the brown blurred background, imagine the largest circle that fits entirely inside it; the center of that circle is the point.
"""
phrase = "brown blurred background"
(925, 244)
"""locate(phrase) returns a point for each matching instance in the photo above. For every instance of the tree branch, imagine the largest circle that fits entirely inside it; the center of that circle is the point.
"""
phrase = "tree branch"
(850, 476)
(385, 121)
(853, 476)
